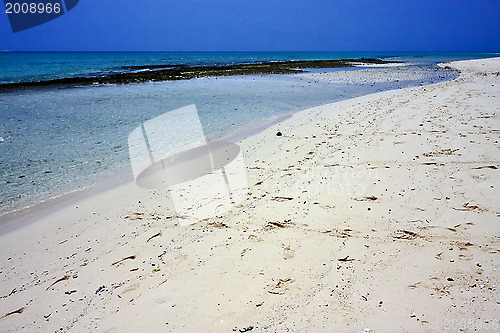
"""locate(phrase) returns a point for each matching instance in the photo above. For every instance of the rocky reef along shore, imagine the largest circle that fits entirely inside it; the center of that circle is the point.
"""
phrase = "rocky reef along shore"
(135, 74)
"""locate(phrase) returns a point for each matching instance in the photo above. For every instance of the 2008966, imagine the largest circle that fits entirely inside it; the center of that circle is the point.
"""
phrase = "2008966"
(32, 8)
(465, 323)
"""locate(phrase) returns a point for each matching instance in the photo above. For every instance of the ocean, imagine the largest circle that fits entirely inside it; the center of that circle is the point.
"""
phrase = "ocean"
(55, 140)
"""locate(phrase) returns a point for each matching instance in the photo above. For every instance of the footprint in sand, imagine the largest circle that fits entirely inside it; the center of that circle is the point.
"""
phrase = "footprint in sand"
(288, 253)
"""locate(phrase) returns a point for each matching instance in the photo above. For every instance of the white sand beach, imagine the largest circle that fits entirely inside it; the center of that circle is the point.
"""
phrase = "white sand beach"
(375, 214)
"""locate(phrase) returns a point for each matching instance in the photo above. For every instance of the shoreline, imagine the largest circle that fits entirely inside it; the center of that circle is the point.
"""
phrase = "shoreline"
(375, 213)
(24, 215)
(19, 217)
(230, 133)
(90, 188)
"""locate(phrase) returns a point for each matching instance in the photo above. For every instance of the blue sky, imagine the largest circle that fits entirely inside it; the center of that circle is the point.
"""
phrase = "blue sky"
(271, 25)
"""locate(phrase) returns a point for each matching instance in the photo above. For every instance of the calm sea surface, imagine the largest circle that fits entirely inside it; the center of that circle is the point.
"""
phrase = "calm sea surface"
(55, 140)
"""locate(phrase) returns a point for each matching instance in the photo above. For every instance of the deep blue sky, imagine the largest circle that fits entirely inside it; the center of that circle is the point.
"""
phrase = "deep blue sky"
(270, 25)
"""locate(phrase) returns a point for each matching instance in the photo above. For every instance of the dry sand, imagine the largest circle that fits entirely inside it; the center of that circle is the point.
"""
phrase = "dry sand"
(379, 213)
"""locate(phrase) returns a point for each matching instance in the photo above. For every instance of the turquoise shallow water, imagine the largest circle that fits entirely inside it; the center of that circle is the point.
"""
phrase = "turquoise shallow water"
(54, 140)
(36, 66)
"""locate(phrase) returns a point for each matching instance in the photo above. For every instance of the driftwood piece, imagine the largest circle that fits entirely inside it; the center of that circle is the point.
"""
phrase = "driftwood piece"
(155, 235)
(119, 261)
(18, 311)
(66, 277)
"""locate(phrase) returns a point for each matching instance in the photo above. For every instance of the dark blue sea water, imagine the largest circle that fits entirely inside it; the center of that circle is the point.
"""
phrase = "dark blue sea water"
(55, 140)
